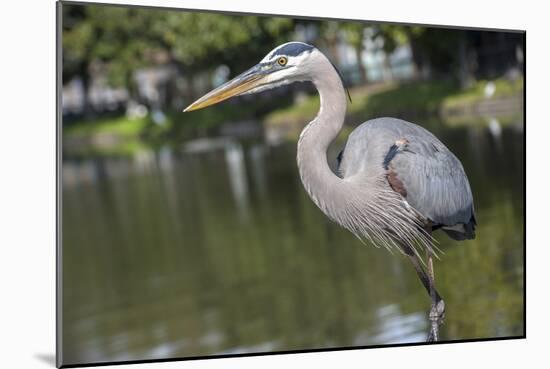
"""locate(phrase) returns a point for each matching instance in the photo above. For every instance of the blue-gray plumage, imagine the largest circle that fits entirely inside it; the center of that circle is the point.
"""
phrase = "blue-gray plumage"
(434, 179)
(396, 181)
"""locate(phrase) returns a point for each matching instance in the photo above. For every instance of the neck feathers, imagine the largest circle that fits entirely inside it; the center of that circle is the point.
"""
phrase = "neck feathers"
(318, 179)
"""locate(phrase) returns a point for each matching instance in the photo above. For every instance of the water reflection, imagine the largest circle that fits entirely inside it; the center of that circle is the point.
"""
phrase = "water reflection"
(234, 158)
(397, 327)
(215, 248)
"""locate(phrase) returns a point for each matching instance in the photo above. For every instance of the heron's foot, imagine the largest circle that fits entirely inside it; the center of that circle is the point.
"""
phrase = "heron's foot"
(437, 312)
(436, 317)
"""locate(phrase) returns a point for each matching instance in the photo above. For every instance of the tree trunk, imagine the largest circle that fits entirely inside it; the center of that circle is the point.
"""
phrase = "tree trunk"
(362, 70)
(388, 74)
(464, 73)
(87, 110)
(420, 66)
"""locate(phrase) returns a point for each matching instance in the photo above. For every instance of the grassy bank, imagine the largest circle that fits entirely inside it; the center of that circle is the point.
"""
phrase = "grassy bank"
(123, 136)
(407, 99)
(112, 136)
(502, 88)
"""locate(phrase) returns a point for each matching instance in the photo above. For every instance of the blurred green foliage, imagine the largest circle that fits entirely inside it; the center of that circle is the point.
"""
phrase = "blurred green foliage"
(120, 40)
(124, 39)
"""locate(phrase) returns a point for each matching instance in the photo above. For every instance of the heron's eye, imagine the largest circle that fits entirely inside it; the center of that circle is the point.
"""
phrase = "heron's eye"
(282, 61)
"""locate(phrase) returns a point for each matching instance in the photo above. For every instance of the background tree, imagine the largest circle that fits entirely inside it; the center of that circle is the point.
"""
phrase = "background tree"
(355, 36)
(392, 36)
(119, 41)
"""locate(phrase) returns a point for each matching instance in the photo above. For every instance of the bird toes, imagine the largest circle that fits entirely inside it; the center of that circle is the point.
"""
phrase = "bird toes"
(436, 317)
(437, 312)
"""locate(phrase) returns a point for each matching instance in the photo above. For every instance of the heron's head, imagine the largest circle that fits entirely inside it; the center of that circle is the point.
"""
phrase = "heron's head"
(287, 63)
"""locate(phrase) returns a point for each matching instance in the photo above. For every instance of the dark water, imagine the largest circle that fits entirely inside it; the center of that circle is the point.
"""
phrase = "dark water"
(215, 248)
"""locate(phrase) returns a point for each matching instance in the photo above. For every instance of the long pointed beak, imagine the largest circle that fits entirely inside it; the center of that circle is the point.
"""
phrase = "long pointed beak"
(238, 85)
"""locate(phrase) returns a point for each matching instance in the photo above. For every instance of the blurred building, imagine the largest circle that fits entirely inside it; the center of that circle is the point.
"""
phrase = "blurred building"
(101, 97)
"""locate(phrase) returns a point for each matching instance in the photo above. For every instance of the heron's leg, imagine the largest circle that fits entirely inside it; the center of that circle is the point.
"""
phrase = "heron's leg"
(422, 274)
(437, 310)
(430, 288)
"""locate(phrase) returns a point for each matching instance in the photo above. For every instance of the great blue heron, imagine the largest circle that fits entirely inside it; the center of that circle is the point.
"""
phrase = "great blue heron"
(396, 181)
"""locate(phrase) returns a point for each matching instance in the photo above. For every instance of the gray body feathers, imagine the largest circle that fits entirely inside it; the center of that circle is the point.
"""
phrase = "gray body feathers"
(433, 178)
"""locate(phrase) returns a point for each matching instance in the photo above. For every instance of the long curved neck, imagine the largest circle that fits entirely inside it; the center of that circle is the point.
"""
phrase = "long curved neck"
(367, 208)
(318, 179)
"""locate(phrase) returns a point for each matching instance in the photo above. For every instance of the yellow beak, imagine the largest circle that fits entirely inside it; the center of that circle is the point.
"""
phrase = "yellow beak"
(238, 85)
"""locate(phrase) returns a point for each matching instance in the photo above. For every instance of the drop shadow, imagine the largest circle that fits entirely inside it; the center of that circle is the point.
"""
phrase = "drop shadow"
(46, 358)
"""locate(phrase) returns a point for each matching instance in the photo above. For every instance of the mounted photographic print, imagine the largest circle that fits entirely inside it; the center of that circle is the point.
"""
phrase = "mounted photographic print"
(237, 184)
